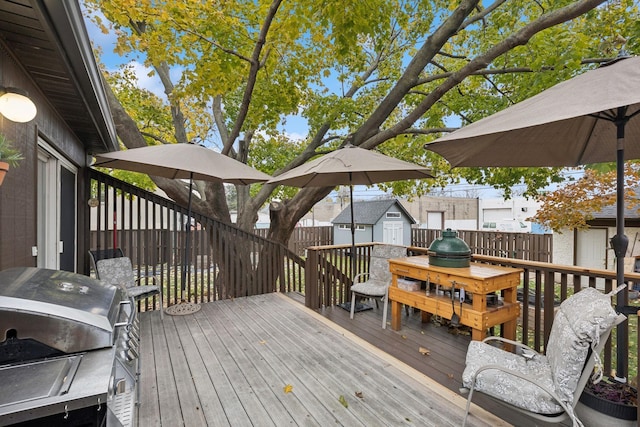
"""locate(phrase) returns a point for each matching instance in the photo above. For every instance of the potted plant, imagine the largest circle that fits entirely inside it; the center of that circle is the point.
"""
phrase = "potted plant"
(608, 403)
(9, 156)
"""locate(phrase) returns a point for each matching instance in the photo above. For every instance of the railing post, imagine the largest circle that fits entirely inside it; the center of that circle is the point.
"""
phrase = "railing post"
(311, 291)
(549, 299)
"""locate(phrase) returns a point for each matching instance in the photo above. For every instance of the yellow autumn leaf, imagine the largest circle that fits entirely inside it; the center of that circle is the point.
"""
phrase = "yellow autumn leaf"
(424, 351)
(343, 401)
(288, 388)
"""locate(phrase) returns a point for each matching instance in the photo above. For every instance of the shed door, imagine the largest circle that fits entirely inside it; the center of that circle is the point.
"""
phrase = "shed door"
(392, 232)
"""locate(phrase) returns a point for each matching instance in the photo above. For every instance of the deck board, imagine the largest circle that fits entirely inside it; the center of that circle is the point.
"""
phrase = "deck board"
(151, 410)
(229, 363)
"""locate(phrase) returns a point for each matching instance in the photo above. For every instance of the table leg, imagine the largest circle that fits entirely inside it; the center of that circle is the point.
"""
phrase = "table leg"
(396, 315)
(425, 316)
(510, 329)
(478, 334)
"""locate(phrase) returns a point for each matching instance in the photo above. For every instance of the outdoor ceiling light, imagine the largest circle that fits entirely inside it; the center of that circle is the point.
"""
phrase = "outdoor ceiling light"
(15, 105)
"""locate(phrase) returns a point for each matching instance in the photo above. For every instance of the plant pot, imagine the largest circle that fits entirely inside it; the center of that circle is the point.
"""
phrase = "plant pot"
(4, 168)
(597, 411)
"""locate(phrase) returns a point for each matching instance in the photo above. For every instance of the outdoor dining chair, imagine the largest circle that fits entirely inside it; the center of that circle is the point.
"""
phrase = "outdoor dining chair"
(375, 283)
(119, 271)
(96, 255)
(546, 387)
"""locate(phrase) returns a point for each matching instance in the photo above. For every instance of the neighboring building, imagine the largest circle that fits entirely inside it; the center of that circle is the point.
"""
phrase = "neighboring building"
(322, 213)
(45, 50)
(385, 221)
(591, 247)
(498, 214)
(439, 213)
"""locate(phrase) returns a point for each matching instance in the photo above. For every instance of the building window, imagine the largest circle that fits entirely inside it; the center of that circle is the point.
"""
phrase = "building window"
(395, 215)
(348, 227)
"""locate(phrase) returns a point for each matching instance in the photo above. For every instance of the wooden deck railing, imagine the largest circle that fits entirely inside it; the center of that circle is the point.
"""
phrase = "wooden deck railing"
(224, 261)
(328, 279)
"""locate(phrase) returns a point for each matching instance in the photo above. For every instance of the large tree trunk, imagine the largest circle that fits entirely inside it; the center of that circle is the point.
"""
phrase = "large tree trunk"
(285, 215)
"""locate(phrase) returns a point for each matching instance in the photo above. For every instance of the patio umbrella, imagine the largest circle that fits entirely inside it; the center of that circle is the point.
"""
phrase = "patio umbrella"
(580, 121)
(351, 165)
(182, 161)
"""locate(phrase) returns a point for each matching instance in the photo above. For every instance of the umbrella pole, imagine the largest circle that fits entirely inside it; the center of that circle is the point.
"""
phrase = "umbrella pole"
(185, 262)
(620, 242)
(353, 232)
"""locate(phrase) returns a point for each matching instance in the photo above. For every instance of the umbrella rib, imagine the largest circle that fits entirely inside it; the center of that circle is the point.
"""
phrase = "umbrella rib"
(630, 116)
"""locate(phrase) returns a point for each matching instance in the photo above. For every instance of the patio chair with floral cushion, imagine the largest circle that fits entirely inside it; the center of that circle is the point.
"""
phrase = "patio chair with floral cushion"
(96, 255)
(546, 387)
(119, 271)
(375, 283)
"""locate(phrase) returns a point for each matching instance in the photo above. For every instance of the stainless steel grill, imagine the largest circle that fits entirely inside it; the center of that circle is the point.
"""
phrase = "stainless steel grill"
(69, 350)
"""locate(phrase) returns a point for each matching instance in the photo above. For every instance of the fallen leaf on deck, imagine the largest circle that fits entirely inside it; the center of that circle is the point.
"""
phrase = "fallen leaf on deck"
(424, 351)
(288, 388)
(359, 394)
(450, 376)
(422, 332)
(343, 401)
(404, 337)
(263, 342)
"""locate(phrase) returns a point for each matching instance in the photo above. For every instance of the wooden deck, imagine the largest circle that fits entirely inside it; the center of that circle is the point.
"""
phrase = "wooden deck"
(232, 362)
(447, 352)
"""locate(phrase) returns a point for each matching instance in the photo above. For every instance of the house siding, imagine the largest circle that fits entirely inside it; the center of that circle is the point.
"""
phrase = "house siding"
(18, 193)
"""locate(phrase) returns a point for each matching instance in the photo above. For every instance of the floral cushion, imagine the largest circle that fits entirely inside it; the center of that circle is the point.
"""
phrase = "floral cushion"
(116, 271)
(578, 324)
(379, 278)
(507, 387)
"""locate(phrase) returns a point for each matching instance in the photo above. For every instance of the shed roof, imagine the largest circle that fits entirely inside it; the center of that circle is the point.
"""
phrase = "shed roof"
(369, 212)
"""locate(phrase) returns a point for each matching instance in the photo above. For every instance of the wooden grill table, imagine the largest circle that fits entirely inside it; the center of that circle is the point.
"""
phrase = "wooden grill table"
(477, 280)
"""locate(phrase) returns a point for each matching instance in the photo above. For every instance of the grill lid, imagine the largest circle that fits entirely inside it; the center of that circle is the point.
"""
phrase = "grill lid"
(65, 311)
(449, 250)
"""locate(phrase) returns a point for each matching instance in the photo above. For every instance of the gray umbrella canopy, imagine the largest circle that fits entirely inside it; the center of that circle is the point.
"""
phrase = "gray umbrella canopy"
(580, 121)
(351, 165)
(182, 161)
(569, 124)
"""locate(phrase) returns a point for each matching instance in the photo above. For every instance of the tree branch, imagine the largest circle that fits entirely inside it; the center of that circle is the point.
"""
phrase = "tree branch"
(519, 38)
(482, 14)
(427, 51)
(252, 77)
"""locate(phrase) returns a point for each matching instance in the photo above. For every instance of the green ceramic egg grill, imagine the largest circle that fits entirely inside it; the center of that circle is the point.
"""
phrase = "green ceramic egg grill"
(449, 251)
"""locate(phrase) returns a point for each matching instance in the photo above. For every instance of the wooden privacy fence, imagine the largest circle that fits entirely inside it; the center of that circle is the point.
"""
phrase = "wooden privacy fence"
(328, 279)
(224, 261)
(303, 237)
(532, 247)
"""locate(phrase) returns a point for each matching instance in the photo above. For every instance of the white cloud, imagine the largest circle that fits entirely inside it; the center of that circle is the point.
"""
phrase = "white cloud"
(148, 82)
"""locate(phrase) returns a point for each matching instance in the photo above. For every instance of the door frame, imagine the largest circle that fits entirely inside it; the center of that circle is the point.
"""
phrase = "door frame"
(49, 210)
